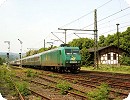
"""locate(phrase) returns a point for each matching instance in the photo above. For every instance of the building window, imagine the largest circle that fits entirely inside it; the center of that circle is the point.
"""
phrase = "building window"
(108, 56)
(114, 56)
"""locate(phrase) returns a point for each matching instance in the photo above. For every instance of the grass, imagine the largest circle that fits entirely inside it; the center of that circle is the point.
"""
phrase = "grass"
(109, 68)
(53, 75)
(7, 84)
(99, 93)
(63, 86)
(31, 73)
(22, 87)
(5, 81)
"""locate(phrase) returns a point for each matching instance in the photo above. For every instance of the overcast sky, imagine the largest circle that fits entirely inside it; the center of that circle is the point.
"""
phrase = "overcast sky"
(32, 21)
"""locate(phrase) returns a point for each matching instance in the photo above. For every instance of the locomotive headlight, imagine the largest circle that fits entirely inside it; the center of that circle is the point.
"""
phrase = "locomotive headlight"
(78, 61)
(67, 61)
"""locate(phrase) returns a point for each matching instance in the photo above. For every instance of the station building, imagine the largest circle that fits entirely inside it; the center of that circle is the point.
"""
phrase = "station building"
(108, 54)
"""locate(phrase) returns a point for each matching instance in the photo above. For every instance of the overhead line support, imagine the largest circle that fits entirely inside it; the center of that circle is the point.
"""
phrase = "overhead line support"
(95, 40)
(73, 30)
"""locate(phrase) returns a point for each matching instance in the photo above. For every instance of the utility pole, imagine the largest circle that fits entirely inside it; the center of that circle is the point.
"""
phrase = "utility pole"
(20, 52)
(95, 40)
(65, 36)
(118, 43)
(8, 52)
(44, 45)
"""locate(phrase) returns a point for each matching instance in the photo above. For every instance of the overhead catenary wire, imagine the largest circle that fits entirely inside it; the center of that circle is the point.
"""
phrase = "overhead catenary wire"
(76, 19)
(114, 14)
(114, 19)
(86, 14)
(114, 25)
(57, 37)
(114, 29)
(92, 12)
(108, 16)
(104, 4)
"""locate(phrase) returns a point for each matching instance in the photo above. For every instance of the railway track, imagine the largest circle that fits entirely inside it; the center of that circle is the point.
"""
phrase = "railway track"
(93, 82)
(78, 96)
(72, 95)
(119, 84)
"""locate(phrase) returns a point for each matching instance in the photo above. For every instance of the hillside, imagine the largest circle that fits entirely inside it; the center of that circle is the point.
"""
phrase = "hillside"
(12, 56)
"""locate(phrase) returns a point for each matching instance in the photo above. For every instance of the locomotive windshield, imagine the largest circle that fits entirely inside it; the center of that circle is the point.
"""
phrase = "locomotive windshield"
(75, 51)
(71, 51)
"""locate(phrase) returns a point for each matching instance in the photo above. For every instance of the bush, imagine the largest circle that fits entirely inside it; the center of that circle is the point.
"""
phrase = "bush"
(2, 61)
(22, 87)
(30, 73)
(125, 60)
(64, 87)
(100, 93)
(5, 79)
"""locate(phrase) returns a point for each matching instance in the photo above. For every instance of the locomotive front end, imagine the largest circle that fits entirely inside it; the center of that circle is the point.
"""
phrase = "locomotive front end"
(73, 58)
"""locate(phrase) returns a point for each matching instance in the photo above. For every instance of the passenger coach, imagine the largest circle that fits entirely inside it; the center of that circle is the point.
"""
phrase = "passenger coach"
(62, 59)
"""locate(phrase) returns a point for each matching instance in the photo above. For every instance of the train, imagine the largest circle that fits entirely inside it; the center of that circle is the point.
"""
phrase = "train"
(61, 59)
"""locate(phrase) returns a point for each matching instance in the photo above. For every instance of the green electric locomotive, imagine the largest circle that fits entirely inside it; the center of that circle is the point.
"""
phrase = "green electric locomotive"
(61, 59)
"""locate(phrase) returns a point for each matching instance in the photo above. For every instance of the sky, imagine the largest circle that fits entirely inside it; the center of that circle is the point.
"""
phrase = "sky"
(32, 21)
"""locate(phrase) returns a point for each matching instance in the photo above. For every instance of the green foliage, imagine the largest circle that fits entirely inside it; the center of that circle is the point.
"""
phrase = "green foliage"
(83, 44)
(125, 60)
(31, 52)
(85, 56)
(124, 38)
(5, 77)
(30, 73)
(2, 60)
(5, 80)
(100, 93)
(101, 41)
(63, 86)
(110, 68)
(22, 87)
(86, 43)
(5, 73)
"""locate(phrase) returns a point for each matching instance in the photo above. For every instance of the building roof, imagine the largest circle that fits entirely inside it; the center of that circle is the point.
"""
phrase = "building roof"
(101, 48)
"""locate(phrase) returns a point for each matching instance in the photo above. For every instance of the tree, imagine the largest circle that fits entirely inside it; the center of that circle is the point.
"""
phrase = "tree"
(31, 52)
(124, 40)
(124, 43)
(85, 55)
(101, 41)
(83, 44)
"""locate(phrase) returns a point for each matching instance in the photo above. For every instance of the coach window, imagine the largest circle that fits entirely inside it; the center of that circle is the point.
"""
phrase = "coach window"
(108, 56)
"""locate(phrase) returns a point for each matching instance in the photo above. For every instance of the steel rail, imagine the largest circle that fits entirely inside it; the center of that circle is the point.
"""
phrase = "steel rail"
(20, 95)
(38, 94)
